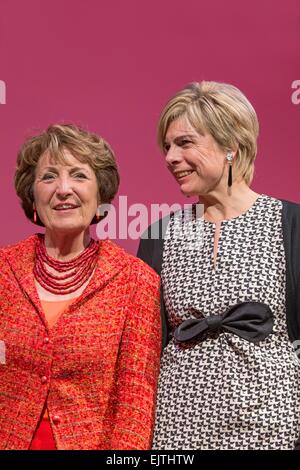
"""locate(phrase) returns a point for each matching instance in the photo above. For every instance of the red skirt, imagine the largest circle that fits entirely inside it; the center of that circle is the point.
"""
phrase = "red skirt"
(43, 437)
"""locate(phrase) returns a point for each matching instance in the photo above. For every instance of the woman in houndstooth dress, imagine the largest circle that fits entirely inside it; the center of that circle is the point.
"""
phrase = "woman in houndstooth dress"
(229, 374)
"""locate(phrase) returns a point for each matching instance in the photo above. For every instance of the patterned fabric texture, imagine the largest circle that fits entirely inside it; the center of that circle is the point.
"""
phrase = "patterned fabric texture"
(225, 392)
(97, 367)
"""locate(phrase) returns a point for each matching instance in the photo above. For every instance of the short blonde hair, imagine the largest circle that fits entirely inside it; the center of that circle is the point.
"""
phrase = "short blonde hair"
(221, 110)
(86, 146)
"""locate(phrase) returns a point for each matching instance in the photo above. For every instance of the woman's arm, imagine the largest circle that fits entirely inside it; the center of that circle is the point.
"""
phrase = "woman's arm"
(138, 364)
(150, 250)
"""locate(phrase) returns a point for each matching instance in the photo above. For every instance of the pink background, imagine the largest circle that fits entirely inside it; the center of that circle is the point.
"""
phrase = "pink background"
(112, 65)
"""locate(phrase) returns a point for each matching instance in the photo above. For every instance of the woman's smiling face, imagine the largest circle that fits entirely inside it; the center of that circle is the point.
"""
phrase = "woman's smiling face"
(196, 161)
(66, 194)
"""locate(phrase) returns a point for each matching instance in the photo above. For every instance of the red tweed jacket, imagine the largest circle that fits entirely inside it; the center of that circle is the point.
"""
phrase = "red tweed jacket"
(97, 367)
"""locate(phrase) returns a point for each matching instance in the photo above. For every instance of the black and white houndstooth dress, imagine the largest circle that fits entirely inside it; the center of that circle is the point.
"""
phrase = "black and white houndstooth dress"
(225, 392)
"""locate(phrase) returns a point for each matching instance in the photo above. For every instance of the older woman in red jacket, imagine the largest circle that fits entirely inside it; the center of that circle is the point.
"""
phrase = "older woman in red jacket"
(79, 318)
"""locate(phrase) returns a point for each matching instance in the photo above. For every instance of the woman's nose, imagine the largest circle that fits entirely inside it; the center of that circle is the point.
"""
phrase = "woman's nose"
(64, 186)
(173, 155)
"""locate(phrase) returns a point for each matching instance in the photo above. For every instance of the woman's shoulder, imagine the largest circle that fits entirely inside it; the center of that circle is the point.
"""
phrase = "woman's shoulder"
(290, 211)
(19, 247)
(16, 256)
(136, 265)
(293, 206)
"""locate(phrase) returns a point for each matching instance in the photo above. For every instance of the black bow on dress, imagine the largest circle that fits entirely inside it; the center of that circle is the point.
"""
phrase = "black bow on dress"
(249, 320)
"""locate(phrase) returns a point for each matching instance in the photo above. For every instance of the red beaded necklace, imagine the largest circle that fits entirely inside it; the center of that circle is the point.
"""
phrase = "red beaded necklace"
(77, 271)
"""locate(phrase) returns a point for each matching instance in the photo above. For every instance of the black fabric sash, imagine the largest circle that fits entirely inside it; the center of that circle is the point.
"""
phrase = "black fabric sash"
(252, 321)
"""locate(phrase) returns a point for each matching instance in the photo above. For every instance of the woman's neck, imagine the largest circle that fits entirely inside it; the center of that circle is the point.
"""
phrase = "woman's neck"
(64, 247)
(223, 205)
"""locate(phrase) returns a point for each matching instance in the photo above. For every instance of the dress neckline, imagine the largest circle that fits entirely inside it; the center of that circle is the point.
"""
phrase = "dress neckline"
(238, 217)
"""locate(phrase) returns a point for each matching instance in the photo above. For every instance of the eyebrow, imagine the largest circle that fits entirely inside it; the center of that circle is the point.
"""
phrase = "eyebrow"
(181, 137)
(72, 169)
(78, 168)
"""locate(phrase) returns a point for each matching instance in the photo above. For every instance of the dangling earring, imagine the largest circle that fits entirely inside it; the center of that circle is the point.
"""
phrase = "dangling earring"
(34, 214)
(98, 215)
(229, 158)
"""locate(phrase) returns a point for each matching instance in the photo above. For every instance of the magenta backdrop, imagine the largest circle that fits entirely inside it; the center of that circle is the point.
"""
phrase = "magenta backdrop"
(112, 65)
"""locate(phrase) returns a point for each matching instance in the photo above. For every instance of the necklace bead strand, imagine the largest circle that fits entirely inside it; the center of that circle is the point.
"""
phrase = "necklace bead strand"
(76, 272)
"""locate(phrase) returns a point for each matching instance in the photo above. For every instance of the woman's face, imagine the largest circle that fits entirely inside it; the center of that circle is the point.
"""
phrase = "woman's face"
(65, 195)
(196, 161)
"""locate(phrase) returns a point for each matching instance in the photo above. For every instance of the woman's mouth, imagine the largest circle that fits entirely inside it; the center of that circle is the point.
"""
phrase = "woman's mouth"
(65, 207)
(181, 175)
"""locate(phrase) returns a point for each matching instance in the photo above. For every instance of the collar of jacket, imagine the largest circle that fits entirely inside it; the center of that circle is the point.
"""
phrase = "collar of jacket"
(20, 257)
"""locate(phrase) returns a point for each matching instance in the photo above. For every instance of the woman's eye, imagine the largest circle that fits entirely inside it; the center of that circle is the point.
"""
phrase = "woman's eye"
(48, 176)
(166, 148)
(185, 142)
(80, 175)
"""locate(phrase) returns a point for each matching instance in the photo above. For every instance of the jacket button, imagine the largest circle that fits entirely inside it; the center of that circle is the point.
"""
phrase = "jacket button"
(56, 419)
(44, 379)
(46, 340)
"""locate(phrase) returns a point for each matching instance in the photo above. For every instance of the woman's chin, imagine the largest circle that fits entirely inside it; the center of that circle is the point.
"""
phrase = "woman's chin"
(188, 192)
(66, 227)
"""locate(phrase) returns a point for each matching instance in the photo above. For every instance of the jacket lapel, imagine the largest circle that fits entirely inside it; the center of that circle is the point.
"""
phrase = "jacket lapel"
(21, 258)
(111, 261)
